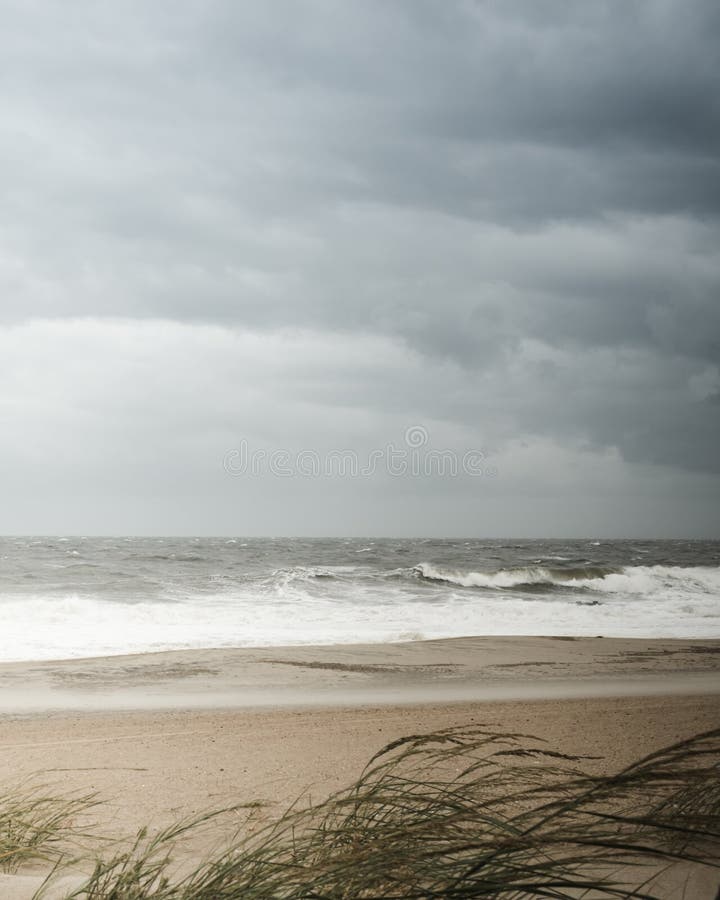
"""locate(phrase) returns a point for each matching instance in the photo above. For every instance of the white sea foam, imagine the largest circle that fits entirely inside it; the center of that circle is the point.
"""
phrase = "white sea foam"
(300, 606)
(73, 626)
(146, 595)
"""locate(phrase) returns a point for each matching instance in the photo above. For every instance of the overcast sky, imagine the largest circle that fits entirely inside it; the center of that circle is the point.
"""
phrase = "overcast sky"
(306, 226)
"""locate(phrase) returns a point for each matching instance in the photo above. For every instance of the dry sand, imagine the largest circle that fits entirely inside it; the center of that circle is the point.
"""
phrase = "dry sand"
(164, 735)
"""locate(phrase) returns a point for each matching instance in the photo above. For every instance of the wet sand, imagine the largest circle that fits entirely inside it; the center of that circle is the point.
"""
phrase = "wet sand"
(456, 669)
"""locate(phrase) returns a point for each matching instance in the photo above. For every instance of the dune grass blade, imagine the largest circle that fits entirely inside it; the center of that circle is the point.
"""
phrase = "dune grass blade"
(37, 826)
(460, 813)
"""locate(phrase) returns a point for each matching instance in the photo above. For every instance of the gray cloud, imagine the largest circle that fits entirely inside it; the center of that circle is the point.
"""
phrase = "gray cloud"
(514, 204)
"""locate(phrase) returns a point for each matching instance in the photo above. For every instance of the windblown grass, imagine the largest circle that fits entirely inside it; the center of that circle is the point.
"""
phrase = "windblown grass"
(36, 826)
(456, 814)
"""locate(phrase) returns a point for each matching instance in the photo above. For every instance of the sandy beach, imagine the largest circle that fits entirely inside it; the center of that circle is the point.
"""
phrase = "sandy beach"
(437, 671)
(165, 735)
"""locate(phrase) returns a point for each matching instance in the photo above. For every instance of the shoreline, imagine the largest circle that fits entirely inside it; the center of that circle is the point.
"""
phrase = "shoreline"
(451, 670)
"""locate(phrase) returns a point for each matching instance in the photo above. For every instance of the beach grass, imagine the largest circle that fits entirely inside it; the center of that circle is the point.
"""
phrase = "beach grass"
(460, 813)
(37, 825)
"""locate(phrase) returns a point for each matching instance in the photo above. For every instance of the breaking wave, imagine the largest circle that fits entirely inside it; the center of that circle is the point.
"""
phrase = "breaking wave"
(130, 595)
(634, 580)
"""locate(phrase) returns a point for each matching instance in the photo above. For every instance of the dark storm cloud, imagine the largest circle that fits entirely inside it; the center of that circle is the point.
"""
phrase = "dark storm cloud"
(522, 198)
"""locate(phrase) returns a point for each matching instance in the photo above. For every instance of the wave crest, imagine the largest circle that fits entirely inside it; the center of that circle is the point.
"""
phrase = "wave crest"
(626, 580)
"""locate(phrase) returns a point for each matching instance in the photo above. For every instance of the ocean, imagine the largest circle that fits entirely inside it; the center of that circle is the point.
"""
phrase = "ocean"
(63, 597)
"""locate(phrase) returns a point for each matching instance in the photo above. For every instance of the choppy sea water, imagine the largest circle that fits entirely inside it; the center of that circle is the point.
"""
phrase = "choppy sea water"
(79, 597)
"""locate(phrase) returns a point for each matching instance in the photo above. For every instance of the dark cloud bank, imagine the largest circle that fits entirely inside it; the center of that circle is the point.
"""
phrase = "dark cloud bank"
(310, 225)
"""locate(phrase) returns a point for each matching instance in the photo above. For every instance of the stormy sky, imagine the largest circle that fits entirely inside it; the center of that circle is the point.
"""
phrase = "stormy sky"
(286, 232)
